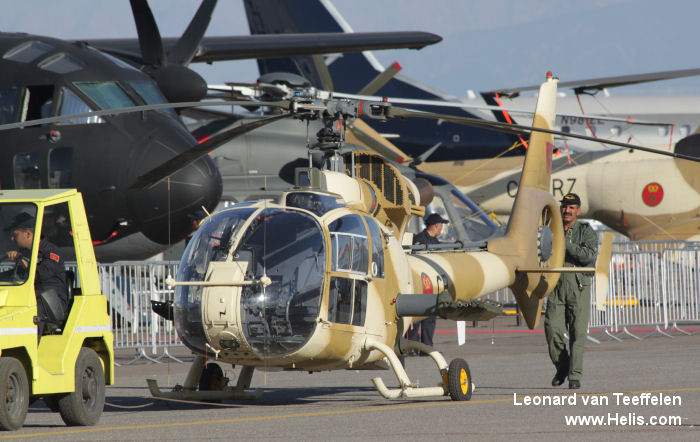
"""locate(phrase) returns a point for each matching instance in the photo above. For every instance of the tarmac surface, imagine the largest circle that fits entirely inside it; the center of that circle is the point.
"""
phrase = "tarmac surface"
(513, 397)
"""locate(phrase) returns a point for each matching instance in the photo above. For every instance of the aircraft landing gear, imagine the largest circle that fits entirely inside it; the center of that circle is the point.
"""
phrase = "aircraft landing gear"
(456, 378)
(211, 383)
(459, 380)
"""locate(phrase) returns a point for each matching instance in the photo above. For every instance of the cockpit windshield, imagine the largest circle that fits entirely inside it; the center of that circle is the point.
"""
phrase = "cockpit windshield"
(287, 246)
(150, 94)
(106, 94)
(211, 242)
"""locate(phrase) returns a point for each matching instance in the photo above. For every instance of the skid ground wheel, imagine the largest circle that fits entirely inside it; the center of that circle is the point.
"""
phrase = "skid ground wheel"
(459, 380)
(212, 378)
(84, 405)
(14, 392)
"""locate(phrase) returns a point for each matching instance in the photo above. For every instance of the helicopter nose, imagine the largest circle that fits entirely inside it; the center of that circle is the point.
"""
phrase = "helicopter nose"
(161, 212)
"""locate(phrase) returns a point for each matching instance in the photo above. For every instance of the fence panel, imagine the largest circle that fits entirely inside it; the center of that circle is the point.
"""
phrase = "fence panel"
(682, 286)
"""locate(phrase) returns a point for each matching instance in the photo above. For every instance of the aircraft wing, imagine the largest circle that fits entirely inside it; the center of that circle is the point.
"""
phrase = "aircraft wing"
(239, 47)
(596, 84)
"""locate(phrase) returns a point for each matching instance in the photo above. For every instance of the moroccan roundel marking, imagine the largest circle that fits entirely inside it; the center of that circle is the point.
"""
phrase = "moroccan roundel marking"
(652, 194)
(427, 284)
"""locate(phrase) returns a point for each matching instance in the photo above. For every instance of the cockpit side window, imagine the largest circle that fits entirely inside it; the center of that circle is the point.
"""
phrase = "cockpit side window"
(71, 104)
(350, 244)
(38, 102)
(61, 168)
(8, 105)
(347, 301)
(27, 170)
(377, 266)
(106, 94)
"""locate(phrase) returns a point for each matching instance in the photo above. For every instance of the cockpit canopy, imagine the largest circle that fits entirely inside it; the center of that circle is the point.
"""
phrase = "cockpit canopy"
(286, 245)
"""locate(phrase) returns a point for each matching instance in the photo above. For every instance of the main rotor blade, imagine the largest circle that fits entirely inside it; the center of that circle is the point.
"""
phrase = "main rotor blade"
(188, 44)
(144, 108)
(376, 142)
(488, 107)
(152, 52)
(152, 177)
(397, 112)
(596, 84)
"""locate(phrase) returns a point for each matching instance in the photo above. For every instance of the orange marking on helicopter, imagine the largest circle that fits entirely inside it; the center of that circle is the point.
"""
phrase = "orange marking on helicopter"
(427, 284)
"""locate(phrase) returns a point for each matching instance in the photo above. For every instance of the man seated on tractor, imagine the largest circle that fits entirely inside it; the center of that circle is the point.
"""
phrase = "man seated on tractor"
(50, 281)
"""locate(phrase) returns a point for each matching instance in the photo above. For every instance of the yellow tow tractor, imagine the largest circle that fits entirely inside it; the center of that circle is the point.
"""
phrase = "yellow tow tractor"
(70, 363)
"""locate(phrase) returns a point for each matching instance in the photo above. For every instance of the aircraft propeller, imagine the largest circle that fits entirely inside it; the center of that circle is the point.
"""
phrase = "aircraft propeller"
(177, 82)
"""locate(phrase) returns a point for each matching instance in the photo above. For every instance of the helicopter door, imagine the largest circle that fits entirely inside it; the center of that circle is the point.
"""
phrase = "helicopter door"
(347, 299)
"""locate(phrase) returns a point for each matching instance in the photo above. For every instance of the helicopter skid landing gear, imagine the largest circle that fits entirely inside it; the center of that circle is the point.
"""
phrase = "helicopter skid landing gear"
(189, 392)
(406, 387)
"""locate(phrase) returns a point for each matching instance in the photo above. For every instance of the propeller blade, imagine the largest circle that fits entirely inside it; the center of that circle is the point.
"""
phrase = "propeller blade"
(187, 45)
(364, 134)
(381, 79)
(326, 79)
(152, 177)
(152, 52)
(398, 112)
(424, 156)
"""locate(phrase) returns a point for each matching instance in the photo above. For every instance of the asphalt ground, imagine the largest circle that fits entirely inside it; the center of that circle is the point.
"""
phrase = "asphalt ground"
(505, 360)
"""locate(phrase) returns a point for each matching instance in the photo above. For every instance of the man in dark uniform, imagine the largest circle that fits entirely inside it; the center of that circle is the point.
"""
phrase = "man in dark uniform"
(568, 306)
(429, 235)
(50, 280)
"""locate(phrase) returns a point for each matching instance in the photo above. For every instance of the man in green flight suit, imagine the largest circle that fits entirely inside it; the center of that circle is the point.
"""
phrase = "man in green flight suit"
(568, 306)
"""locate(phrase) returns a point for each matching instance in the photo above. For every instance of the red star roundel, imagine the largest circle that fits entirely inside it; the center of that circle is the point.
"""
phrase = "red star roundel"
(652, 194)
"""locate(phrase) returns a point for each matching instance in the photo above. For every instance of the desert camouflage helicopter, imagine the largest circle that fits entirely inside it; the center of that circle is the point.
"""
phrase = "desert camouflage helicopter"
(319, 280)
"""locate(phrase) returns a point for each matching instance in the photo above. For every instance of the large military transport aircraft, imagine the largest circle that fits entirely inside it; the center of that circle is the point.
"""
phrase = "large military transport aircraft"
(103, 155)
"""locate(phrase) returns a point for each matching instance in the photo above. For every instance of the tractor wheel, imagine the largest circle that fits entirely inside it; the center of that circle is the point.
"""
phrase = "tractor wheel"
(14, 391)
(84, 405)
(459, 380)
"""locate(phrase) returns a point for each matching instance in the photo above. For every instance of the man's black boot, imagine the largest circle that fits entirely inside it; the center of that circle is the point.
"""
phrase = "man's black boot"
(558, 379)
(574, 384)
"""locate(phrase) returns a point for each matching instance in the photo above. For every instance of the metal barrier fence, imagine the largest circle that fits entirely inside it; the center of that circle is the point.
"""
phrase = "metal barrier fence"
(651, 287)
(682, 286)
(654, 285)
(130, 286)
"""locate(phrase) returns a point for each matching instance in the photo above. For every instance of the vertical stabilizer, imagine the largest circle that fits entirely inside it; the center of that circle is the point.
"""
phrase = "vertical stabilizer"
(534, 237)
